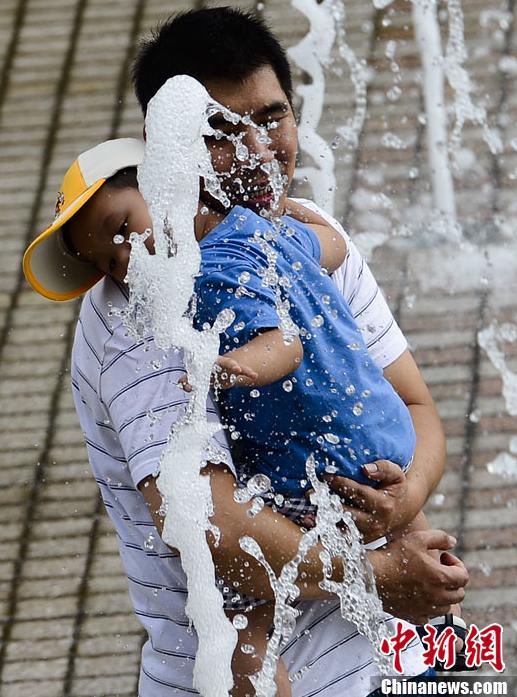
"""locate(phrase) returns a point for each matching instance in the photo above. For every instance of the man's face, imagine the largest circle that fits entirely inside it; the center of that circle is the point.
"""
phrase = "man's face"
(260, 97)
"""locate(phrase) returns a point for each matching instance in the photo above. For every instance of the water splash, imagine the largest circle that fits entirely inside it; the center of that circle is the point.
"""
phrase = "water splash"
(490, 339)
(464, 108)
(357, 592)
(359, 74)
(312, 54)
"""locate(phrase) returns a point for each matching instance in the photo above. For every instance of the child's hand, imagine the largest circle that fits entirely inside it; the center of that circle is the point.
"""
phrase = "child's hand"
(229, 373)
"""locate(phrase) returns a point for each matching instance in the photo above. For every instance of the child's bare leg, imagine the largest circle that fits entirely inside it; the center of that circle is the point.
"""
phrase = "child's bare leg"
(245, 664)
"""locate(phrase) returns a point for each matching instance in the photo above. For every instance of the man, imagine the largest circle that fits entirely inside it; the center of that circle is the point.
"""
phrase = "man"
(127, 398)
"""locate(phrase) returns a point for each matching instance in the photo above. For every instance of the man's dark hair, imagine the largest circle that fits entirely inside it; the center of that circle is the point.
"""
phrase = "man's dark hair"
(217, 43)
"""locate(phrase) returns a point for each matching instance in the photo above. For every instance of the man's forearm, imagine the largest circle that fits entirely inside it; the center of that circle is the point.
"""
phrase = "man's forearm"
(429, 458)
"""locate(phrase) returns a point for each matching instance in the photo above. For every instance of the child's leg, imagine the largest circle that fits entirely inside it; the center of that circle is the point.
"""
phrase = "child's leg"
(245, 664)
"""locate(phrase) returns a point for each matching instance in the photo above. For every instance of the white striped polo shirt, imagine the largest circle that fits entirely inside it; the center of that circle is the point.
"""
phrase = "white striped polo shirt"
(127, 399)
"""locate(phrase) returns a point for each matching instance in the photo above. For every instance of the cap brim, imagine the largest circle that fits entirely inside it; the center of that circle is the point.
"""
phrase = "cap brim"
(50, 269)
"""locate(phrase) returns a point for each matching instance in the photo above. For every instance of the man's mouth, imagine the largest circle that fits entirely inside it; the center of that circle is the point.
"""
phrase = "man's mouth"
(259, 195)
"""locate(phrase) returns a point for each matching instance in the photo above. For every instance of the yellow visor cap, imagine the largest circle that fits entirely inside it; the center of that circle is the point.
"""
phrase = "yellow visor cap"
(48, 266)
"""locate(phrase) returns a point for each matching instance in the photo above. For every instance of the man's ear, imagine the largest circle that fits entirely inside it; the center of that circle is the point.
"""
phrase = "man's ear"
(144, 134)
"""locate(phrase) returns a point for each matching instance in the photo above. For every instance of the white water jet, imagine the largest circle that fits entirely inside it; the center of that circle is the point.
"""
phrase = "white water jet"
(312, 54)
(427, 34)
(359, 75)
(464, 108)
(490, 339)
(161, 289)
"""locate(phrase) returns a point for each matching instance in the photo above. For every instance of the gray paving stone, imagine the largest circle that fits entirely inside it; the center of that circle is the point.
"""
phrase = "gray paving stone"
(438, 325)
(42, 688)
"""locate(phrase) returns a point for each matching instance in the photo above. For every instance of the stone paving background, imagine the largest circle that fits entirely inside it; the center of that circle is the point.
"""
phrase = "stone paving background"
(66, 623)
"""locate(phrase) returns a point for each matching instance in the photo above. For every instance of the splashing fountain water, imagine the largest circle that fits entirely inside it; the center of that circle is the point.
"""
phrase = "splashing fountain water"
(313, 55)
(161, 292)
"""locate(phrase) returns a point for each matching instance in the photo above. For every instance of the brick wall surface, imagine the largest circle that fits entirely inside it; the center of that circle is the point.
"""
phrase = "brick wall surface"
(66, 622)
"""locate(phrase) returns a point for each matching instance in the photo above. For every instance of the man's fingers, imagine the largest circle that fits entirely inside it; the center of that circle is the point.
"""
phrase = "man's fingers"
(359, 495)
(384, 471)
(438, 539)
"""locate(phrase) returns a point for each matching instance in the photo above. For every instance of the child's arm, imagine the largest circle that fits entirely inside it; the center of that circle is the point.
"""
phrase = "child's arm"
(332, 243)
(263, 360)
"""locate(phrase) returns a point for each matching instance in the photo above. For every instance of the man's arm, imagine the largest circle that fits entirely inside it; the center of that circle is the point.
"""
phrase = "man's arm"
(430, 452)
(427, 589)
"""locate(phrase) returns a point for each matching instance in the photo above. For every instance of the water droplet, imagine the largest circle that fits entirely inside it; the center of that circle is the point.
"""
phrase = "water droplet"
(256, 506)
(350, 390)
(254, 393)
(259, 484)
(235, 435)
(156, 365)
(358, 409)
(327, 418)
(287, 386)
(149, 541)
(474, 416)
(239, 326)
(325, 299)
(244, 278)
(297, 265)
(317, 321)
(240, 622)
(204, 210)
(118, 239)
(331, 438)
(309, 382)
(247, 648)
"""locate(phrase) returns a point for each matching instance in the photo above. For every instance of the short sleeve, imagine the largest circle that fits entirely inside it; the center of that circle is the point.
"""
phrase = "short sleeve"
(305, 237)
(240, 288)
(143, 400)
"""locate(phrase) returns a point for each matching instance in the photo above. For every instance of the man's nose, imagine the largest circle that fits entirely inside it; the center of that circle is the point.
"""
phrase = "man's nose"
(259, 144)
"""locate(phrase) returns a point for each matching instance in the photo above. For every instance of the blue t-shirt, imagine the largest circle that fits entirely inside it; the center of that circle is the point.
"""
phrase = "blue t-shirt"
(337, 405)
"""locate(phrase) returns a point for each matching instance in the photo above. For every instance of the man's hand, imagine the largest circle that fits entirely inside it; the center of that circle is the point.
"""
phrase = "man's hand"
(376, 512)
(412, 582)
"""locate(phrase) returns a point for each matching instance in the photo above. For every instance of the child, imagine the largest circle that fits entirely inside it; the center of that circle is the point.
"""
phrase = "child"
(321, 391)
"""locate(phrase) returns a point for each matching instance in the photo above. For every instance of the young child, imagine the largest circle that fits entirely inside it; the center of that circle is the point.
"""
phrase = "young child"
(322, 393)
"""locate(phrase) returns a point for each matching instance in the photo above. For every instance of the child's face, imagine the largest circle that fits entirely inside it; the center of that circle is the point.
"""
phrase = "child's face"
(111, 212)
